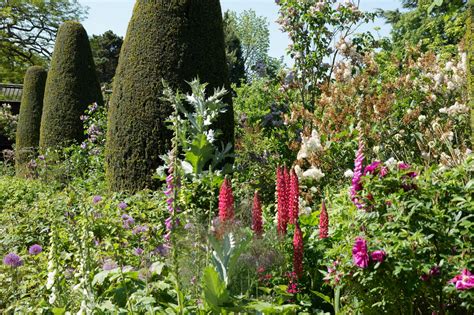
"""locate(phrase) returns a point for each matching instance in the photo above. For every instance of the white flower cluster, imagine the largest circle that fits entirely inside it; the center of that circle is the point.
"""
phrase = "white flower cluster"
(309, 145)
(52, 269)
(454, 110)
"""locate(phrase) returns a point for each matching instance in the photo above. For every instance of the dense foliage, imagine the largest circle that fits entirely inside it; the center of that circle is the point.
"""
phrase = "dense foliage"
(351, 190)
(71, 86)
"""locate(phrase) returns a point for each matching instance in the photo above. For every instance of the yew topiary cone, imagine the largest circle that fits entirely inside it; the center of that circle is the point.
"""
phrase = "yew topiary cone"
(175, 41)
(29, 120)
(71, 86)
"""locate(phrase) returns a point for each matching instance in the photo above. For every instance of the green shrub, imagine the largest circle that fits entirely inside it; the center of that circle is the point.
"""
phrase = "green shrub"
(71, 86)
(28, 129)
(175, 42)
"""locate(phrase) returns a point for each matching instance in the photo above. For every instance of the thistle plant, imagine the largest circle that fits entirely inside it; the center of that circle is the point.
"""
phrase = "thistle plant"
(194, 114)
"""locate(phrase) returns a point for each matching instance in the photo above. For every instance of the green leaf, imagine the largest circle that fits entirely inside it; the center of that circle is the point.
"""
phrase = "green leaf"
(200, 152)
(215, 291)
(322, 296)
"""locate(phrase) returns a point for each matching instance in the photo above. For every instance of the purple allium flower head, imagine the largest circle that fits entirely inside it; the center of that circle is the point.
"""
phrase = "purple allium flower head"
(140, 229)
(161, 250)
(109, 264)
(97, 199)
(84, 145)
(127, 221)
(138, 251)
(122, 205)
(35, 249)
(12, 260)
(41, 157)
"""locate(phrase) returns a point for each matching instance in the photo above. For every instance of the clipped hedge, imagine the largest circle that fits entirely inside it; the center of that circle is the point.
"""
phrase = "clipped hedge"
(29, 120)
(71, 86)
(174, 41)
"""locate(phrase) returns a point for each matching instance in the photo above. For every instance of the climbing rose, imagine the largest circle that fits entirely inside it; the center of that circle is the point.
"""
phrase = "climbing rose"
(13, 260)
(359, 253)
(35, 249)
(356, 185)
(298, 251)
(257, 215)
(294, 195)
(282, 201)
(226, 202)
(323, 222)
(464, 281)
(378, 256)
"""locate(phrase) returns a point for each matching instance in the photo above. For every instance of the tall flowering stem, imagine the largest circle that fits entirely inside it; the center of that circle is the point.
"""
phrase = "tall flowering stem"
(356, 179)
(293, 203)
(226, 202)
(257, 225)
(282, 200)
(323, 222)
(298, 251)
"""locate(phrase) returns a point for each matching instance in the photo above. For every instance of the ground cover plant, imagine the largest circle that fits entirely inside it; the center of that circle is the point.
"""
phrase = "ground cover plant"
(347, 189)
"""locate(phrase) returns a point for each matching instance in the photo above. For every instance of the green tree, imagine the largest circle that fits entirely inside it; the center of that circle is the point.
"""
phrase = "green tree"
(27, 32)
(71, 86)
(106, 52)
(436, 25)
(166, 40)
(233, 47)
(29, 120)
(252, 31)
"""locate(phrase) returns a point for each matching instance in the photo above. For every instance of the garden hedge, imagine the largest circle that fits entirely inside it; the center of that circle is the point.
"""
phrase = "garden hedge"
(174, 41)
(71, 86)
(29, 120)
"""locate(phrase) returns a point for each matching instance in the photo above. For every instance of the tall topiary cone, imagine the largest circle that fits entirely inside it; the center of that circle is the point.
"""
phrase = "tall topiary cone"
(71, 86)
(172, 40)
(29, 121)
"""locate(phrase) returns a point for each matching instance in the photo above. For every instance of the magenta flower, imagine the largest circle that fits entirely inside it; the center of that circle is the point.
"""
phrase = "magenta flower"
(35, 249)
(378, 256)
(464, 281)
(13, 260)
(383, 171)
(356, 184)
(372, 168)
(360, 256)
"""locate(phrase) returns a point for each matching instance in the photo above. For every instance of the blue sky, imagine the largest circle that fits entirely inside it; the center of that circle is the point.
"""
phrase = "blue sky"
(114, 15)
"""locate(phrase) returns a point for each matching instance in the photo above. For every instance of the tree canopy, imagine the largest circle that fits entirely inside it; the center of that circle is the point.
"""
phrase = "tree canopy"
(28, 30)
(106, 51)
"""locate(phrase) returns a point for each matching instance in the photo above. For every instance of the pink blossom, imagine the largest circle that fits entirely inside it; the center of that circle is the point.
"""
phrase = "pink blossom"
(464, 281)
(378, 256)
(360, 256)
(356, 184)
